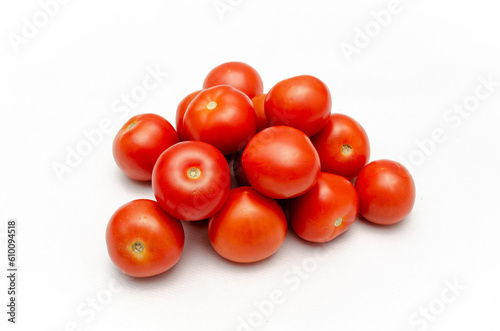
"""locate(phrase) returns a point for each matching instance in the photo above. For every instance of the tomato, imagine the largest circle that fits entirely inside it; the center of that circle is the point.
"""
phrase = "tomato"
(143, 240)
(343, 146)
(281, 162)
(386, 192)
(179, 115)
(249, 228)
(239, 75)
(302, 102)
(238, 171)
(221, 116)
(140, 142)
(326, 210)
(191, 180)
(258, 105)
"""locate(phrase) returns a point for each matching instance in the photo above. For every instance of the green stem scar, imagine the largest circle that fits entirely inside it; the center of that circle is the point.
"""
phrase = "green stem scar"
(211, 105)
(138, 247)
(346, 149)
(194, 173)
(338, 221)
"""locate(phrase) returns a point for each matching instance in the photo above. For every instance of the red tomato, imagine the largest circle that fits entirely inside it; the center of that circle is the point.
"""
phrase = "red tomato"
(238, 171)
(302, 102)
(281, 162)
(140, 142)
(179, 115)
(221, 116)
(249, 228)
(386, 192)
(258, 105)
(343, 146)
(326, 210)
(191, 180)
(143, 240)
(239, 75)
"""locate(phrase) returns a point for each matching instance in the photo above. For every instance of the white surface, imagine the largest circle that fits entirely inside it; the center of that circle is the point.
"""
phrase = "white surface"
(66, 78)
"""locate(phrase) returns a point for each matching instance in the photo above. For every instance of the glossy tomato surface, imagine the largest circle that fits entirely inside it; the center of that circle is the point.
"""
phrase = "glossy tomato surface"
(386, 192)
(281, 162)
(221, 116)
(179, 115)
(191, 180)
(258, 105)
(342, 146)
(249, 228)
(143, 240)
(326, 210)
(239, 75)
(302, 102)
(139, 143)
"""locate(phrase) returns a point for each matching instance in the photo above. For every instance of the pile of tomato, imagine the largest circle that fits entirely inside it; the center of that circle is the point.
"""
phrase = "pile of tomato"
(293, 160)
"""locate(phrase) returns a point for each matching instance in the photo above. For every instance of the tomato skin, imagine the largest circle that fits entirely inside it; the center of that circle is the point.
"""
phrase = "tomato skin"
(161, 235)
(239, 75)
(343, 146)
(249, 228)
(221, 116)
(302, 102)
(258, 105)
(139, 143)
(386, 192)
(191, 180)
(314, 214)
(238, 171)
(179, 115)
(281, 162)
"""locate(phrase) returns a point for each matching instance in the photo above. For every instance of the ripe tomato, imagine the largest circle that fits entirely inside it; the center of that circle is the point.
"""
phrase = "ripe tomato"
(258, 105)
(281, 162)
(239, 75)
(249, 228)
(302, 102)
(143, 240)
(326, 210)
(342, 146)
(179, 115)
(140, 142)
(221, 116)
(191, 180)
(386, 192)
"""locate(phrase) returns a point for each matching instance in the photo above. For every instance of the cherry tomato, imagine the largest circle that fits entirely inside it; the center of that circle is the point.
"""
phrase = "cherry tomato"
(140, 142)
(281, 162)
(239, 75)
(143, 240)
(258, 105)
(386, 192)
(302, 102)
(249, 228)
(343, 146)
(326, 210)
(191, 180)
(238, 171)
(221, 116)
(179, 115)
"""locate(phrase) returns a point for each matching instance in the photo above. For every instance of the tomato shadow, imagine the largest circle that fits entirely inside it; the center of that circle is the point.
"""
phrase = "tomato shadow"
(396, 227)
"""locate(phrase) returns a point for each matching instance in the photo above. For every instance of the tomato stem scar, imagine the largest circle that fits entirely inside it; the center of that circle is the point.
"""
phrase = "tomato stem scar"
(338, 221)
(211, 105)
(346, 149)
(131, 125)
(138, 247)
(193, 173)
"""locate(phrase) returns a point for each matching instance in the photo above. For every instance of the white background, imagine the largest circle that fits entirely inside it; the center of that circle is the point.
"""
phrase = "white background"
(400, 85)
